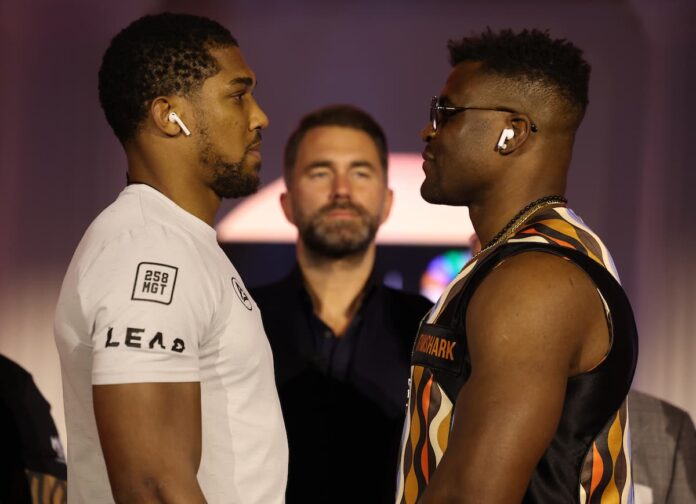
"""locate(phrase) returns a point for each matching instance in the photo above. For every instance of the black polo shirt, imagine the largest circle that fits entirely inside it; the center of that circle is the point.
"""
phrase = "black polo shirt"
(343, 399)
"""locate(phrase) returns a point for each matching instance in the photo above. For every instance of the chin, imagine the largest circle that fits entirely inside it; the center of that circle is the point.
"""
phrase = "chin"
(430, 194)
(237, 187)
(252, 164)
(436, 196)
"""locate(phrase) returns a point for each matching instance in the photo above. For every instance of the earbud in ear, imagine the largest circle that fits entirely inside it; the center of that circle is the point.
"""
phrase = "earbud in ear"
(174, 118)
(507, 134)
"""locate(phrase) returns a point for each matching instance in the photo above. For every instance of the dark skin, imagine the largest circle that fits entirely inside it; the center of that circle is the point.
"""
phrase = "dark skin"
(536, 319)
(150, 433)
(163, 157)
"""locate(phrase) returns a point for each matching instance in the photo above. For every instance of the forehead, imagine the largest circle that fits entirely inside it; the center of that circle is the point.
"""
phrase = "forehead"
(337, 142)
(233, 67)
(467, 81)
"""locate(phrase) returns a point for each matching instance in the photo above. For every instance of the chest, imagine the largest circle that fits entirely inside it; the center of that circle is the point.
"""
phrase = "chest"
(235, 345)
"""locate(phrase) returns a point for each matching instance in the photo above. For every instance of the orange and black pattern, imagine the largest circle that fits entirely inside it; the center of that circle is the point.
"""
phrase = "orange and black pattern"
(426, 435)
(605, 474)
(606, 471)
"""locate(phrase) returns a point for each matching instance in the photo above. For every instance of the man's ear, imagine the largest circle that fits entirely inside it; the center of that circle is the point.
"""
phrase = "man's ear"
(160, 108)
(286, 205)
(386, 209)
(521, 126)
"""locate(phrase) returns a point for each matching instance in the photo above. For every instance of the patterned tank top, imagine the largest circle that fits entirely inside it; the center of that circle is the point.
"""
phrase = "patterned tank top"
(588, 460)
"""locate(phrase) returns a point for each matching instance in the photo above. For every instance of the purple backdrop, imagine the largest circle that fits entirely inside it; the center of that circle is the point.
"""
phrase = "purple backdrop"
(630, 180)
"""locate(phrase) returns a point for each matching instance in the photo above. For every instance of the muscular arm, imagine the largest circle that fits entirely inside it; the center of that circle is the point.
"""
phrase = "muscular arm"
(150, 434)
(535, 320)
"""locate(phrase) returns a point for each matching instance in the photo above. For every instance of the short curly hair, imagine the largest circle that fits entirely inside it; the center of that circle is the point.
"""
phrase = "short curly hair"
(156, 55)
(532, 56)
(347, 116)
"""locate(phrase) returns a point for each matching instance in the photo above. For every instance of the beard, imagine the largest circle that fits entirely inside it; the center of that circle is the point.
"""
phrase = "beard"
(230, 180)
(337, 238)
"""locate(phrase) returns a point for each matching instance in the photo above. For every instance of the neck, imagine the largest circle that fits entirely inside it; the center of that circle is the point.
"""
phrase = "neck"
(335, 285)
(491, 217)
(176, 180)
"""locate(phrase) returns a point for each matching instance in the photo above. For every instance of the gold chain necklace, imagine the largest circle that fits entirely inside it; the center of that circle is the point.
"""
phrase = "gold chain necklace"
(516, 222)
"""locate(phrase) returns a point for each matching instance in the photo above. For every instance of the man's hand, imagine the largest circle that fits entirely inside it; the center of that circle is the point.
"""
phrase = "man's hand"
(535, 320)
(47, 489)
(150, 434)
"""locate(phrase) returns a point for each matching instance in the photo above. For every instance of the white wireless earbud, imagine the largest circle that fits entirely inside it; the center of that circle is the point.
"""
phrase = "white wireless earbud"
(507, 134)
(174, 118)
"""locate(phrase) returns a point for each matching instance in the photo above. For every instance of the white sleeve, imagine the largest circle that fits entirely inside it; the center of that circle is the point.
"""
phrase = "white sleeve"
(151, 301)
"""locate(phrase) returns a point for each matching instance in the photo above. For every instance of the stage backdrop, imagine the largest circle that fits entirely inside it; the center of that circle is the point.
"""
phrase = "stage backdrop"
(631, 177)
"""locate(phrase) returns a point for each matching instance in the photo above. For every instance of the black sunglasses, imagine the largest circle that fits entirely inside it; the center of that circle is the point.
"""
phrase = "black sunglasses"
(440, 113)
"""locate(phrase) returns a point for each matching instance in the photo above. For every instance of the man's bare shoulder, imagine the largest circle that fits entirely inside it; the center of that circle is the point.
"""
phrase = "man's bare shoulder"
(539, 304)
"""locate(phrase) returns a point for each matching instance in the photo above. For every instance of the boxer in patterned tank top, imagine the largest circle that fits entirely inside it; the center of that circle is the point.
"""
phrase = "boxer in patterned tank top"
(520, 372)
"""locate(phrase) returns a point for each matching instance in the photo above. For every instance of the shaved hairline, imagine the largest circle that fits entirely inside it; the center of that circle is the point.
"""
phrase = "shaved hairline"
(544, 102)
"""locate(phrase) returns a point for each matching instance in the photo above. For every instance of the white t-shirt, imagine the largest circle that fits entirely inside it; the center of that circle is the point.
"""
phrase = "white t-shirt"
(150, 297)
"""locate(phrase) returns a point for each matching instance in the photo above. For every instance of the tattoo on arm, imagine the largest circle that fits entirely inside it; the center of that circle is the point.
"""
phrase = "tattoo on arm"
(47, 489)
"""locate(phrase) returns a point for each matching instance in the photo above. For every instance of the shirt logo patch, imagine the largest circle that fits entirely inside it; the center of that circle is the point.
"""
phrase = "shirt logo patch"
(440, 348)
(241, 294)
(154, 282)
(134, 339)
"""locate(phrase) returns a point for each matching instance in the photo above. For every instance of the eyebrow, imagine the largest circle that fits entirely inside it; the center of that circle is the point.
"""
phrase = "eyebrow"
(247, 81)
(445, 100)
(362, 162)
(322, 163)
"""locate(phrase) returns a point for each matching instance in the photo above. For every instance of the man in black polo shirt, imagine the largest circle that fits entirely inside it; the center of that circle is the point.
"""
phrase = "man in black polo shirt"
(341, 340)
(32, 460)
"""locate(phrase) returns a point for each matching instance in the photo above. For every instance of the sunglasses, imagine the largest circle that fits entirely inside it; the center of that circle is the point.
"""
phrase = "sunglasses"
(441, 113)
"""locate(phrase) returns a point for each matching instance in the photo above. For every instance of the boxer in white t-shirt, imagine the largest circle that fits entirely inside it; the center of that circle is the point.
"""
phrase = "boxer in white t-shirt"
(167, 374)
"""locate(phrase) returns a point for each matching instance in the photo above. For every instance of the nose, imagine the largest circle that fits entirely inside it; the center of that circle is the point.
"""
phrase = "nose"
(428, 133)
(341, 186)
(258, 118)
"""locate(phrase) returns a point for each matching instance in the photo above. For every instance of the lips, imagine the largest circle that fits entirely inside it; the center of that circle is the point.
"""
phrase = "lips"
(254, 151)
(428, 160)
(341, 210)
(341, 215)
(256, 144)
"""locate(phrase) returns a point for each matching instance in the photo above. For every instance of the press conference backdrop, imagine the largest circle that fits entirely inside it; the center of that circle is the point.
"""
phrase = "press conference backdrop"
(632, 178)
